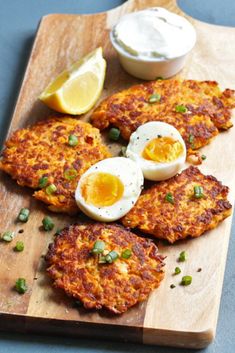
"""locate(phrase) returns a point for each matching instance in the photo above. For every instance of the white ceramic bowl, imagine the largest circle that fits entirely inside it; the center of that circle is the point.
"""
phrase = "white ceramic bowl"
(150, 68)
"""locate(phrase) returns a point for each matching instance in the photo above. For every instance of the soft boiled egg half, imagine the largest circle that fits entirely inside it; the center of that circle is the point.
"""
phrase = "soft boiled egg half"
(159, 150)
(109, 188)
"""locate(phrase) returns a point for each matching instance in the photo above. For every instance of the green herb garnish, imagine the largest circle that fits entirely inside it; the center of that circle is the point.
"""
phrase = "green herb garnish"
(111, 256)
(47, 223)
(70, 174)
(50, 189)
(19, 246)
(191, 139)
(170, 198)
(203, 157)
(114, 134)
(101, 259)
(198, 192)
(23, 215)
(98, 247)
(21, 286)
(186, 280)
(154, 98)
(126, 254)
(183, 256)
(181, 109)
(72, 140)
(177, 270)
(8, 236)
(43, 181)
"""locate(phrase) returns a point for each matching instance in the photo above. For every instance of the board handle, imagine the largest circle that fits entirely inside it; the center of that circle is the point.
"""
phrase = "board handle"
(133, 5)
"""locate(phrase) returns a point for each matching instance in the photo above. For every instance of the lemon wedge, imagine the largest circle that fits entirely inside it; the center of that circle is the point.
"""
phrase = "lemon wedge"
(76, 90)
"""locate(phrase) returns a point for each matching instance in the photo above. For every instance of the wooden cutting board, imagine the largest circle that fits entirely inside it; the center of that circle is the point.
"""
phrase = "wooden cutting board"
(184, 316)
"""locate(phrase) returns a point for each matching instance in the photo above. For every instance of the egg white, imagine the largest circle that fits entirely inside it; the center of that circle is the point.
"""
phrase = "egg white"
(131, 176)
(153, 170)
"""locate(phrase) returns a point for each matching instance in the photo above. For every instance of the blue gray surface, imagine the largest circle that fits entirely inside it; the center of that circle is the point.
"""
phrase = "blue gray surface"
(18, 23)
(219, 12)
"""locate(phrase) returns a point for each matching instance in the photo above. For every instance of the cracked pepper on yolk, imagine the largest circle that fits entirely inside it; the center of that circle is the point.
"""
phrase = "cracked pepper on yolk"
(102, 189)
(163, 149)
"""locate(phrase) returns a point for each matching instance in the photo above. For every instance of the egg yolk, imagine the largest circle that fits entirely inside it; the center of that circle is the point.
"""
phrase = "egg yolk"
(163, 149)
(102, 189)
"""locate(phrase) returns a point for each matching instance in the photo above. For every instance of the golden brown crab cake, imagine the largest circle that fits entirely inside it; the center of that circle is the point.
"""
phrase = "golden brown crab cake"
(43, 151)
(85, 276)
(208, 109)
(173, 210)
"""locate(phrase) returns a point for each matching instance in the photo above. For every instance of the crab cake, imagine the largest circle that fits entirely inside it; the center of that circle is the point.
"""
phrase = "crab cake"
(198, 109)
(52, 155)
(115, 285)
(186, 205)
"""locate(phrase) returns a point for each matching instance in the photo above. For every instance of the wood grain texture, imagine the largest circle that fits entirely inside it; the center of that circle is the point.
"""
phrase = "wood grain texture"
(184, 316)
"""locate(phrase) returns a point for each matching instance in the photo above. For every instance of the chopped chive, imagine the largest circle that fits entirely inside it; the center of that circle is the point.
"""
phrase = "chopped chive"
(126, 254)
(70, 174)
(170, 198)
(114, 134)
(111, 256)
(181, 109)
(191, 139)
(177, 270)
(43, 181)
(102, 259)
(186, 280)
(21, 286)
(8, 236)
(154, 98)
(183, 256)
(50, 189)
(198, 192)
(47, 223)
(72, 140)
(98, 247)
(23, 215)
(159, 78)
(172, 286)
(19, 246)
(203, 157)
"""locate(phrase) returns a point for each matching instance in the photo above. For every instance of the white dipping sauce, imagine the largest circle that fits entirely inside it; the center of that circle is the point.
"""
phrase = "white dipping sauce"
(154, 33)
